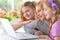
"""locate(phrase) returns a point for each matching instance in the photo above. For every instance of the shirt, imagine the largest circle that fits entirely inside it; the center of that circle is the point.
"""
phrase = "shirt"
(55, 30)
(42, 26)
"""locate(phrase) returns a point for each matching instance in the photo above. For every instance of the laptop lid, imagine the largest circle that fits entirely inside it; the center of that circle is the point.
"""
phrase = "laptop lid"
(8, 27)
(10, 31)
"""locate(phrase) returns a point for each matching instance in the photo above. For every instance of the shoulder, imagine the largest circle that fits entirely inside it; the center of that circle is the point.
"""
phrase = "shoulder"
(43, 23)
(56, 24)
(56, 29)
(30, 23)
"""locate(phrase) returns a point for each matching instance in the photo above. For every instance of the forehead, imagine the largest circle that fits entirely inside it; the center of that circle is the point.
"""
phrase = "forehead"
(47, 6)
(25, 8)
(38, 8)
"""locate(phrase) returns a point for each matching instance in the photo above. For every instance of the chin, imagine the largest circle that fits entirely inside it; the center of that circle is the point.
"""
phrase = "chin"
(28, 18)
(47, 17)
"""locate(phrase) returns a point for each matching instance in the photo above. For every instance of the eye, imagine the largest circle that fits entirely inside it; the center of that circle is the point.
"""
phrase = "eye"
(25, 11)
(45, 9)
(39, 10)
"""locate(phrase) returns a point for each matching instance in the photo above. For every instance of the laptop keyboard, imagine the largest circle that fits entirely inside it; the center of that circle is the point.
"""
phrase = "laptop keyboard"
(26, 36)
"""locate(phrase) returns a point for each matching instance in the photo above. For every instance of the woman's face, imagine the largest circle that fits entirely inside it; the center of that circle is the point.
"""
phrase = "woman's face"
(47, 11)
(28, 13)
(39, 12)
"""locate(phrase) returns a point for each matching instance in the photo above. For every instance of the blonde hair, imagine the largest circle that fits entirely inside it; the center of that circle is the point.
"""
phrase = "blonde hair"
(55, 13)
(40, 4)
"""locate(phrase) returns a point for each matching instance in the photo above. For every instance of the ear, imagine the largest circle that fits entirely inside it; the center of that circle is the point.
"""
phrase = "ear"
(54, 11)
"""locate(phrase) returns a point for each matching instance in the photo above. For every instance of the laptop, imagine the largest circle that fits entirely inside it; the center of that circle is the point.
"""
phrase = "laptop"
(10, 31)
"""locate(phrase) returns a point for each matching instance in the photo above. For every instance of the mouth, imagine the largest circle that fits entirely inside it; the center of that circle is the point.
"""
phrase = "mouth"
(45, 15)
(28, 16)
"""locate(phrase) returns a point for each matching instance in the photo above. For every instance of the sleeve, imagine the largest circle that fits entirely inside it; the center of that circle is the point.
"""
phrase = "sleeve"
(29, 27)
(56, 29)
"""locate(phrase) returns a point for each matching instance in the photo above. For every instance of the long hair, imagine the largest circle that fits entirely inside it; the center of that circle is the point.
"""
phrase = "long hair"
(58, 8)
(40, 4)
(56, 12)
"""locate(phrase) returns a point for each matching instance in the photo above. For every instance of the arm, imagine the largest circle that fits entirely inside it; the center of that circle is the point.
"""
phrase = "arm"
(57, 38)
(45, 37)
(55, 31)
(20, 24)
(29, 27)
(17, 25)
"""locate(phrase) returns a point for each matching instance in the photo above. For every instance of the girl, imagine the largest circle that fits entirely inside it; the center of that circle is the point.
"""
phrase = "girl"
(52, 12)
(27, 14)
(27, 11)
(42, 26)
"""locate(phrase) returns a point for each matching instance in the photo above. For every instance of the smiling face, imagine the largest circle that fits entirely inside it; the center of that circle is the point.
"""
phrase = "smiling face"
(28, 13)
(40, 13)
(48, 11)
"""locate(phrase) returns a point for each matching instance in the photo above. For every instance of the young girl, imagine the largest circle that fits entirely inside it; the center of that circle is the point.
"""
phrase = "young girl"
(27, 11)
(40, 22)
(27, 14)
(52, 12)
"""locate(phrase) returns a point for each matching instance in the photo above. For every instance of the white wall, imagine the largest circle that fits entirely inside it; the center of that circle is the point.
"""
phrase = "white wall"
(30, 0)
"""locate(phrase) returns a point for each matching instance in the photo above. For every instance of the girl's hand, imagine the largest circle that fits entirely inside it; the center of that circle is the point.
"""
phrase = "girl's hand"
(45, 37)
(25, 22)
(38, 33)
(20, 24)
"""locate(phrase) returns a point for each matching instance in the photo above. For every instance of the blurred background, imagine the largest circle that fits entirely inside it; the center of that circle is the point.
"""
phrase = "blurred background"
(10, 9)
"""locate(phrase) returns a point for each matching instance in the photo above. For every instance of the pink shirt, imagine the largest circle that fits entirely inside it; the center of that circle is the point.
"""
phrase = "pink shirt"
(55, 30)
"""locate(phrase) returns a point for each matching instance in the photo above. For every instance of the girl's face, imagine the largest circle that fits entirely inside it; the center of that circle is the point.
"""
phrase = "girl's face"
(39, 12)
(47, 11)
(28, 12)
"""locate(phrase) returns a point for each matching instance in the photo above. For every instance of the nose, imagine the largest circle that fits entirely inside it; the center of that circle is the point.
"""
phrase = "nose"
(28, 13)
(44, 13)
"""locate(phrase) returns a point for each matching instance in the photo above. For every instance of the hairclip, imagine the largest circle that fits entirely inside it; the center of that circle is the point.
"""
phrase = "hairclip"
(52, 3)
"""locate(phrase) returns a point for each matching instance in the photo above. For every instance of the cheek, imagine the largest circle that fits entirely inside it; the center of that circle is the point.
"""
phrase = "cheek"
(24, 15)
(27, 16)
(50, 14)
(31, 13)
(41, 13)
(47, 13)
